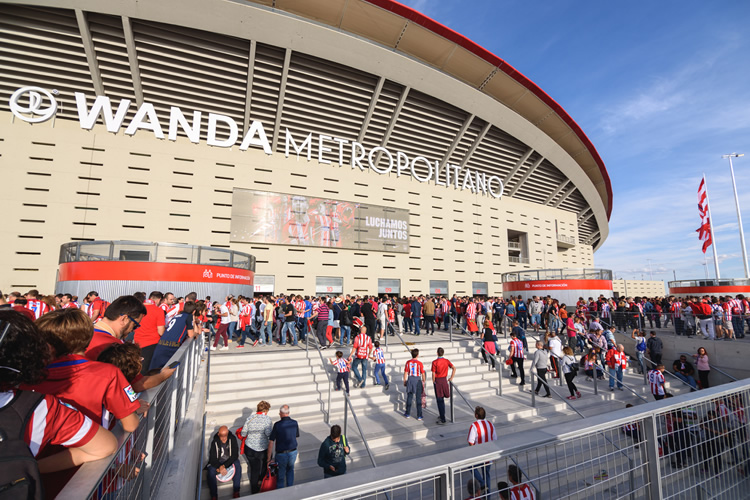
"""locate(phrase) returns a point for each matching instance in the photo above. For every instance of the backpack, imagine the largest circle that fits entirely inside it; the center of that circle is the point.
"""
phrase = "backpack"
(345, 318)
(641, 345)
(19, 473)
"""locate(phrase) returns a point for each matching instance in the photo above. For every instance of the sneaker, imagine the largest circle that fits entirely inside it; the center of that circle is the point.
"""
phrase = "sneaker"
(571, 397)
(255, 343)
(224, 348)
(236, 494)
(420, 418)
(213, 348)
(386, 387)
(589, 379)
(611, 389)
(547, 396)
(440, 422)
(406, 415)
(239, 346)
(620, 389)
(578, 395)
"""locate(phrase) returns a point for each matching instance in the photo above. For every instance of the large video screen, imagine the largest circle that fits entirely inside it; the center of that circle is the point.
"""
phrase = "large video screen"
(285, 219)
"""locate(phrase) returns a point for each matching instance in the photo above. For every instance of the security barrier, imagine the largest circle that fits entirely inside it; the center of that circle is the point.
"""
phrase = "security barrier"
(137, 468)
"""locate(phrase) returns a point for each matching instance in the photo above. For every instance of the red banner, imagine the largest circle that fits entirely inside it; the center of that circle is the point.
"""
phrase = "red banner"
(153, 271)
(519, 286)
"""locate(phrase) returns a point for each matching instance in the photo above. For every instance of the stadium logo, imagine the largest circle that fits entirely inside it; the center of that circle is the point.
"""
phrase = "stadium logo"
(208, 274)
(33, 112)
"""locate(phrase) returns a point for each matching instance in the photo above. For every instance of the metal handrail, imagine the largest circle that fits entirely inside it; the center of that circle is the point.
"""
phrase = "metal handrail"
(325, 369)
(606, 372)
(496, 357)
(348, 404)
(562, 398)
(711, 366)
(453, 412)
(670, 373)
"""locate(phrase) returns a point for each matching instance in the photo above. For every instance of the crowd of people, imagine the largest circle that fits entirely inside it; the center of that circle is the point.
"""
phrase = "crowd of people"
(90, 358)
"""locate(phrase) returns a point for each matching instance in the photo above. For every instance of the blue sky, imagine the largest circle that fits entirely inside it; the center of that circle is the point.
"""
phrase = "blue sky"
(662, 89)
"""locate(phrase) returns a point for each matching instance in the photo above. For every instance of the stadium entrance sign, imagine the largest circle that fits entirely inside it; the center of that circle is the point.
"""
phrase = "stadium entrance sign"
(146, 118)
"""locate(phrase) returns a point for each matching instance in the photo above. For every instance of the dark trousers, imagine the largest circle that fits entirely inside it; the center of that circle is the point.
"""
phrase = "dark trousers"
(345, 377)
(518, 362)
(555, 366)
(320, 331)
(256, 461)
(703, 376)
(441, 408)
(429, 324)
(523, 319)
(211, 478)
(542, 375)
(220, 333)
(571, 386)
(146, 354)
(416, 325)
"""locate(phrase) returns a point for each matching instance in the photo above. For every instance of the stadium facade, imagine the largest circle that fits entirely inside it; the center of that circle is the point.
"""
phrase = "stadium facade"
(353, 146)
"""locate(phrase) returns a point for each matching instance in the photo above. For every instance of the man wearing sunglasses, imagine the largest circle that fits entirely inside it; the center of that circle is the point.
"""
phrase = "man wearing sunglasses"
(121, 318)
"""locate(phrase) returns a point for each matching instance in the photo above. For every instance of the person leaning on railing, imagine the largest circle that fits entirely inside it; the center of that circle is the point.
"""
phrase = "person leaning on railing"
(59, 437)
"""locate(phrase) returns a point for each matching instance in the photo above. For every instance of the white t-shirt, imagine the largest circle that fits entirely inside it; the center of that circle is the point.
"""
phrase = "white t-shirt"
(555, 347)
(225, 319)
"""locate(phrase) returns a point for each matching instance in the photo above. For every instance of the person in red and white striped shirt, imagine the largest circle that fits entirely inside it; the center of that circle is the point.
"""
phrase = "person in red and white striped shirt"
(519, 490)
(481, 431)
(35, 304)
(414, 379)
(471, 317)
(342, 369)
(656, 379)
(66, 302)
(361, 350)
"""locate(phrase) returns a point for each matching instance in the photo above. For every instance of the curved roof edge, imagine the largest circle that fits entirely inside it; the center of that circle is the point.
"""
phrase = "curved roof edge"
(476, 49)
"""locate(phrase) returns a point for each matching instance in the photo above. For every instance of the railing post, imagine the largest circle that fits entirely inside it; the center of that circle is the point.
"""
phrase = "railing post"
(453, 414)
(450, 331)
(346, 413)
(147, 471)
(596, 377)
(208, 368)
(499, 375)
(173, 386)
(652, 454)
(533, 392)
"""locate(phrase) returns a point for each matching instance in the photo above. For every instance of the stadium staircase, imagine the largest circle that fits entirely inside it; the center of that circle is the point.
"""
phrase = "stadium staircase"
(240, 378)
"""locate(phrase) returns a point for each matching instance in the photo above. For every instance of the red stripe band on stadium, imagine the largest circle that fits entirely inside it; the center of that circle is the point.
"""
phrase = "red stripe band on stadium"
(519, 286)
(153, 271)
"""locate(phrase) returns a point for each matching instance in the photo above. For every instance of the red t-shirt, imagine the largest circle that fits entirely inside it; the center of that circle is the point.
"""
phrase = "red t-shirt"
(99, 390)
(101, 340)
(54, 423)
(147, 334)
(440, 367)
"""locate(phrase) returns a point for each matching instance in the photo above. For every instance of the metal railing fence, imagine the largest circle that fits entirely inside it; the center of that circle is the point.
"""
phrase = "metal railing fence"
(694, 446)
(326, 370)
(497, 360)
(137, 467)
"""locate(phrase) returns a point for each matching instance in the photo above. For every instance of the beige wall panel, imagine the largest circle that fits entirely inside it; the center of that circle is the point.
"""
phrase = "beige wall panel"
(328, 12)
(425, 45)
(455, 235)
(372, 22)
(471, 68)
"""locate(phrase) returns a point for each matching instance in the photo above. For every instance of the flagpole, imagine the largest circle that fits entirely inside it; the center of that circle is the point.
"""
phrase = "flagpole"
(711, 229)
(739, 217)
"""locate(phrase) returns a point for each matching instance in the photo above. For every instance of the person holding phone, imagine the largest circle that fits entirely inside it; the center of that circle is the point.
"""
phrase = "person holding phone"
(332, 453)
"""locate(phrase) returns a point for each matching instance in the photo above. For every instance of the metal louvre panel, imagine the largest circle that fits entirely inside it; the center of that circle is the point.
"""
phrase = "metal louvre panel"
(480, 288)
(389, 286)
(439, 287)
(192, 69)
(266, 84)
(264, 284)
(112, 58)
(43, 47)
(466, 141)
(328, 284)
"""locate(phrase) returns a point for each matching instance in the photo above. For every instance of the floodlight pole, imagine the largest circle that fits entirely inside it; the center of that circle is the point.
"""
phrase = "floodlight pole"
(739, 216)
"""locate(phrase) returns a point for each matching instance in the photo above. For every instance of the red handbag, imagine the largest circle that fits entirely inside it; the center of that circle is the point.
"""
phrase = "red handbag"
(238, 433)
(269, 480)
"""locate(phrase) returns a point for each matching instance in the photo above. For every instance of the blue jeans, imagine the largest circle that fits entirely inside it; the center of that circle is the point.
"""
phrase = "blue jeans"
(615, 373)
(268, 329)
(380, 370)
(211, 478)
(408, 325)
(416, 326)
(245, 334)
(232, 329)
(292, 328)
(410, 398)
(482, 474)
(362, 377)
(286, 468)
(348, 331)
(536, 319)
(687, 379)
